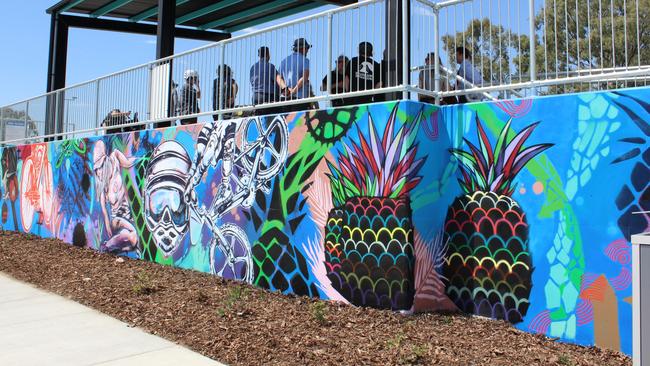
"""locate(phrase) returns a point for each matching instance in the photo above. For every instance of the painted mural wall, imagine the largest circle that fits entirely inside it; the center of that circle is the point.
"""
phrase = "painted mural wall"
(514, 210)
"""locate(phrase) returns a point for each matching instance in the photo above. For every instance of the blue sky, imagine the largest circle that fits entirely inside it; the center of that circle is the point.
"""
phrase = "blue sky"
(24, 42)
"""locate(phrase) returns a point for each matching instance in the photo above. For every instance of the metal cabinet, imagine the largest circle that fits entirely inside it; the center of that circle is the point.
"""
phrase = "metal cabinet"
(641, 298)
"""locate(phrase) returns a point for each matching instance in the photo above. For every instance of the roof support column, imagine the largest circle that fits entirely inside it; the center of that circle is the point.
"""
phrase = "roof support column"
(58, 54)
(396, 47)
(166, 26)
(56, 71)
(165, 47)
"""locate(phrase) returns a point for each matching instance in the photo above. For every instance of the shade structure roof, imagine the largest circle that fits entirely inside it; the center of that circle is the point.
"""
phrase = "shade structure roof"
(223, 15)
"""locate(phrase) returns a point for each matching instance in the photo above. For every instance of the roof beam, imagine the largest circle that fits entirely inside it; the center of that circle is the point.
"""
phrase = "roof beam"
(116, 4)
(139, 28)
(272, 17)
(70, 5)
(243, 14)
(207, 10)
(151, 12)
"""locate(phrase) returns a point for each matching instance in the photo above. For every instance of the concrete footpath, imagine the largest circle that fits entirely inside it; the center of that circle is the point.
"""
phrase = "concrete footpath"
(40, 328)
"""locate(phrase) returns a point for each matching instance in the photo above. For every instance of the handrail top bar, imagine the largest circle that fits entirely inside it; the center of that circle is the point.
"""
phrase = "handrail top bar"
(17, 142)
(209, 45)
(444, 4)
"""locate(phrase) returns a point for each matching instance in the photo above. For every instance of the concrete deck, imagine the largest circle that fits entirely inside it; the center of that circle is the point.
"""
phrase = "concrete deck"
(40, 328)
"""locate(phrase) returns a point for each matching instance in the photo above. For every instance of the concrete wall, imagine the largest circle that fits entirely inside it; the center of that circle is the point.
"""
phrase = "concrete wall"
(382, 205)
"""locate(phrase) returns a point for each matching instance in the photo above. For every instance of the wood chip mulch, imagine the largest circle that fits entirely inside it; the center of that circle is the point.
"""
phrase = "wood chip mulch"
(242, 325)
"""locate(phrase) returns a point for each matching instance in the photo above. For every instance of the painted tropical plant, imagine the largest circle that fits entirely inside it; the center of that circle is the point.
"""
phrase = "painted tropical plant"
(279, 264)
(369, 234)
(488, 265)
(635, 196)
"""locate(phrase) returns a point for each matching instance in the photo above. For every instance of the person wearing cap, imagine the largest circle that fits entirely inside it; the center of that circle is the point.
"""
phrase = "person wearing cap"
(365, 74)
(295, 70)
(340, 80)
(427, 80)
(189, 96)
(266, 82)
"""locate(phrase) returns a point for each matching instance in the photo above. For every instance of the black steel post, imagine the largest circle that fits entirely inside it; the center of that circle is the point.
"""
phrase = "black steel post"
(57, 64)
(165, 45)
(393, 54)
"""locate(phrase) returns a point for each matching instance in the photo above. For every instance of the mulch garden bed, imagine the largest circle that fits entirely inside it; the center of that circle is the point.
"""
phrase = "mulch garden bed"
(239, 324)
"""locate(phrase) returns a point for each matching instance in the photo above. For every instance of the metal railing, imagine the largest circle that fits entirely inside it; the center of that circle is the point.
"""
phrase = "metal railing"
(518, 48)
(515, 48)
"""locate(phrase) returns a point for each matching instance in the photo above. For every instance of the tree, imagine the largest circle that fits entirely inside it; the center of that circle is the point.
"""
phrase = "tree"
(490, 47)
(571, 36)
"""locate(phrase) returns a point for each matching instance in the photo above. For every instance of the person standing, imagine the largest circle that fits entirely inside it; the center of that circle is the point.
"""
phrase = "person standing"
(427, 81)
(266, 82)
(365, 74)
(340, 80)
(472, 77)
(295, 70)
(189, 96)
(228, 88)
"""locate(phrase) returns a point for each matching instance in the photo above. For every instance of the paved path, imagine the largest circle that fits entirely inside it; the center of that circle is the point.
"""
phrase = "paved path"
(40, 328)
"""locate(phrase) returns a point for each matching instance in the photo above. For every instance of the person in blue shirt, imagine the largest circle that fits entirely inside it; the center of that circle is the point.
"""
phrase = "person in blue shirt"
(295, 70)
(468, 72)
(267, 83)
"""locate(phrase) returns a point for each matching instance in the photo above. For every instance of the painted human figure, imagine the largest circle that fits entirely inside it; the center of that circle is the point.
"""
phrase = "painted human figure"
(110, 188)
(216, 142)
(10, 180)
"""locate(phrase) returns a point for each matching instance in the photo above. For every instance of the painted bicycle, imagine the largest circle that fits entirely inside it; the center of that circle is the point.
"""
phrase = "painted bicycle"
(260, 156)
(36, 187)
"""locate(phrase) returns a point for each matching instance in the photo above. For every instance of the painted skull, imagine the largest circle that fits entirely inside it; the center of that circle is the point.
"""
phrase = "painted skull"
(165, 209)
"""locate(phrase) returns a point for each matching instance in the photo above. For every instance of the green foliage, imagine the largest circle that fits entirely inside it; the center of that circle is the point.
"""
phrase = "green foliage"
(319, 312)
(143, 284)
(395, 341)
(569, 36)
(565, 361)
(489, 43)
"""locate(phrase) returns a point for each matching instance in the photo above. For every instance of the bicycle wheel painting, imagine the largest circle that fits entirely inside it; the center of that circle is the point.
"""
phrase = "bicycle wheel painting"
(396, 205)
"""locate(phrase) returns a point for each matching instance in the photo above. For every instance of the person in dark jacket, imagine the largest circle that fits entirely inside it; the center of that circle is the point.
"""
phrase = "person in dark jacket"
(364, 73)
(228, 89)
(340, 80)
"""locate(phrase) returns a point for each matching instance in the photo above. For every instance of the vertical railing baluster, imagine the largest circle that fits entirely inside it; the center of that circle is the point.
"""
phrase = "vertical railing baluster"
(329, 60)
(436, 47)
(531, 42)
(221, 75)
(405, 50)
(97, 121)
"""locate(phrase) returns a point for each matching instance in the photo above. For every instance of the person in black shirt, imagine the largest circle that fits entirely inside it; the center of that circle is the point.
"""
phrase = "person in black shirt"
(340, 80)
(229, 88)
(364, 73)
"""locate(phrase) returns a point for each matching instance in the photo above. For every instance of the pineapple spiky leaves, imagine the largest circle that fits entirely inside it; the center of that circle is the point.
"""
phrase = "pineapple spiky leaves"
(488, 264)
(369, 234)
(634, 196)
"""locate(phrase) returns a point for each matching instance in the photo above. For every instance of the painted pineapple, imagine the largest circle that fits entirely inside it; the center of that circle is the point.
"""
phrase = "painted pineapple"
(488, 264)
(369, 234)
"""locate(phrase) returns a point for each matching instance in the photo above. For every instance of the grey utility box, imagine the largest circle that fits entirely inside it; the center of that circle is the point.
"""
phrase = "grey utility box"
(641, 299)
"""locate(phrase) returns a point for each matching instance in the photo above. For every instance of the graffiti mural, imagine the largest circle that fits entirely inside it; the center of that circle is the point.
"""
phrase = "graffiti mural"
(516, 210)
